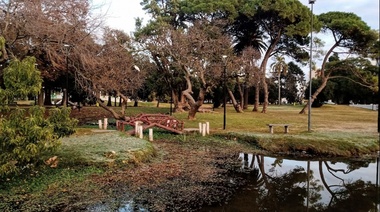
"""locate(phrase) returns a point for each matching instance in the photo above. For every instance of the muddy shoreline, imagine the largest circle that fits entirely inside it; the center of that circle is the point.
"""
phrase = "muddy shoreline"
(184, 176)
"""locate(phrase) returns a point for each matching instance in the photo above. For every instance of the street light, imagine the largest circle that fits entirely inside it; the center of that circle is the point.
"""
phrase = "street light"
(65, 100)
(171, 94)
(279, 88)
(311, 2)
(224, 90)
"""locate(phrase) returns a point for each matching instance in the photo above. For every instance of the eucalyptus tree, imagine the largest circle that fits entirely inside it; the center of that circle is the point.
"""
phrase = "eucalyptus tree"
(349, 32)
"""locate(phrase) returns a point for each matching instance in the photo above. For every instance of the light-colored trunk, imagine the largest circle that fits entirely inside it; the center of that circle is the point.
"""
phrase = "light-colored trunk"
(315, 94)
(257, 98)
(236, 105)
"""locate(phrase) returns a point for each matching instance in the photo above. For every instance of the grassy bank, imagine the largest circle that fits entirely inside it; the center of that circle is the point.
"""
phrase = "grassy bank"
(81, 159)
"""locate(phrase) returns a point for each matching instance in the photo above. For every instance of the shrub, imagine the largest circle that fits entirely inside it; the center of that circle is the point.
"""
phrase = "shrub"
(25, 136)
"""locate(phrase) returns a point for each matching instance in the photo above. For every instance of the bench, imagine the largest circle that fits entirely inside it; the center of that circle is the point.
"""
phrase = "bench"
(286, 127)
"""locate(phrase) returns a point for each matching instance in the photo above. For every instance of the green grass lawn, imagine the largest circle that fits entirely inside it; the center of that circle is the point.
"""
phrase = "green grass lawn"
(328, 118)
(337, 131)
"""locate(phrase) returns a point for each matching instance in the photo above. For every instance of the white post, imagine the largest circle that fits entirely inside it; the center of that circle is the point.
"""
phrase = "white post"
(100, 124)
(150, 134)
(105, 123)
(208, 128)
(203, 129)
(141, 134)
(137, 124)
(200, 127)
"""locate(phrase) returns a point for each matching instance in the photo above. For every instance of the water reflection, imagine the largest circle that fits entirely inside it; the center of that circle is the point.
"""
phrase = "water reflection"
(277, 184)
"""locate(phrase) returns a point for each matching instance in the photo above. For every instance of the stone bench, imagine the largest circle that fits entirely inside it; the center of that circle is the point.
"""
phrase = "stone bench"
(271, 126)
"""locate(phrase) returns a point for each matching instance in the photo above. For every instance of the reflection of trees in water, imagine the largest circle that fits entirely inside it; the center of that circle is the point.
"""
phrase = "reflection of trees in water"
(294, 191)
(349, 195)
(274, 192)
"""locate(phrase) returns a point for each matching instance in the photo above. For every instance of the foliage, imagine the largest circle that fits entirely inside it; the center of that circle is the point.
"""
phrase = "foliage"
(61, 121)
(26, 136)
(22, 78)
(24, 139)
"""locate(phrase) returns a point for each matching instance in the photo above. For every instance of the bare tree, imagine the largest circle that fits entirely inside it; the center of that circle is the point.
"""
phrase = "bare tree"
(108, 68)
(249, 63)
(194, 53)
(46, 29)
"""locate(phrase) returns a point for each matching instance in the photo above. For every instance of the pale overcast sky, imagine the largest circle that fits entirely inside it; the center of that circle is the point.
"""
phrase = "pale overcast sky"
(122, 13)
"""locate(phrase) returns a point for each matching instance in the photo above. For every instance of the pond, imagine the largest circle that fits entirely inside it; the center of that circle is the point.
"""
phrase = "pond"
(277, 184)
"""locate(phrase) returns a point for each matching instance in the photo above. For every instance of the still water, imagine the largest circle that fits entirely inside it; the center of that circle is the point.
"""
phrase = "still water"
(277, 184)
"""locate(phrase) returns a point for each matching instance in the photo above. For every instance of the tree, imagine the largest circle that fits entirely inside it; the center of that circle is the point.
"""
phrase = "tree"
(295, 83)
(27, 135)
(108, 68)
(22, 78)
(195, 55)
(350, 33)
(279, 67)
(48, 30)
(356, 82)
(283, 25)
(248, 60)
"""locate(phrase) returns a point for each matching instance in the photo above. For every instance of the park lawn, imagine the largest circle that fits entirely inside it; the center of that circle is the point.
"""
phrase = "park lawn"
(336, 130)
(328, 118)
(88, 157)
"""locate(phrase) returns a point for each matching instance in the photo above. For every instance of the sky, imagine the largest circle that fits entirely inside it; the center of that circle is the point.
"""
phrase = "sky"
(121, 14)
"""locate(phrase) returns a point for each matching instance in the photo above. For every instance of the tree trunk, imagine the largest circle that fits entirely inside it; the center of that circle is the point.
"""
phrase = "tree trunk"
(315, 94)
(176, 101)
(257, 98)
(236, 105)
(113, 113)
(158, 103)
(47, 100)
(41, 98)
(109, 102)
(65, 97)
(266, 96)
(241, 93)
(194, 105)
(246, 97)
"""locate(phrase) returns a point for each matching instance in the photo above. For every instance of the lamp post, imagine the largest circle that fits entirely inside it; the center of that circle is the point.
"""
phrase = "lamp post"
(224, 90)
(171, 95)
(65, 100)
(311, 2)
(279, 88)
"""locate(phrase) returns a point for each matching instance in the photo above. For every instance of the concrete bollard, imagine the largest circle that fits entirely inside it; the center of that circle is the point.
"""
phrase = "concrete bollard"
(203, 129)
(151, 134)
(105, 123)
(137, 124)
(141, 132)
(100, 124)
(208, 128)
(200, 127)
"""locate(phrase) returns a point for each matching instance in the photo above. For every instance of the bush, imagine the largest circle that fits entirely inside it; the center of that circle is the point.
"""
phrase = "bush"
(62, 123)
(25, 136)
